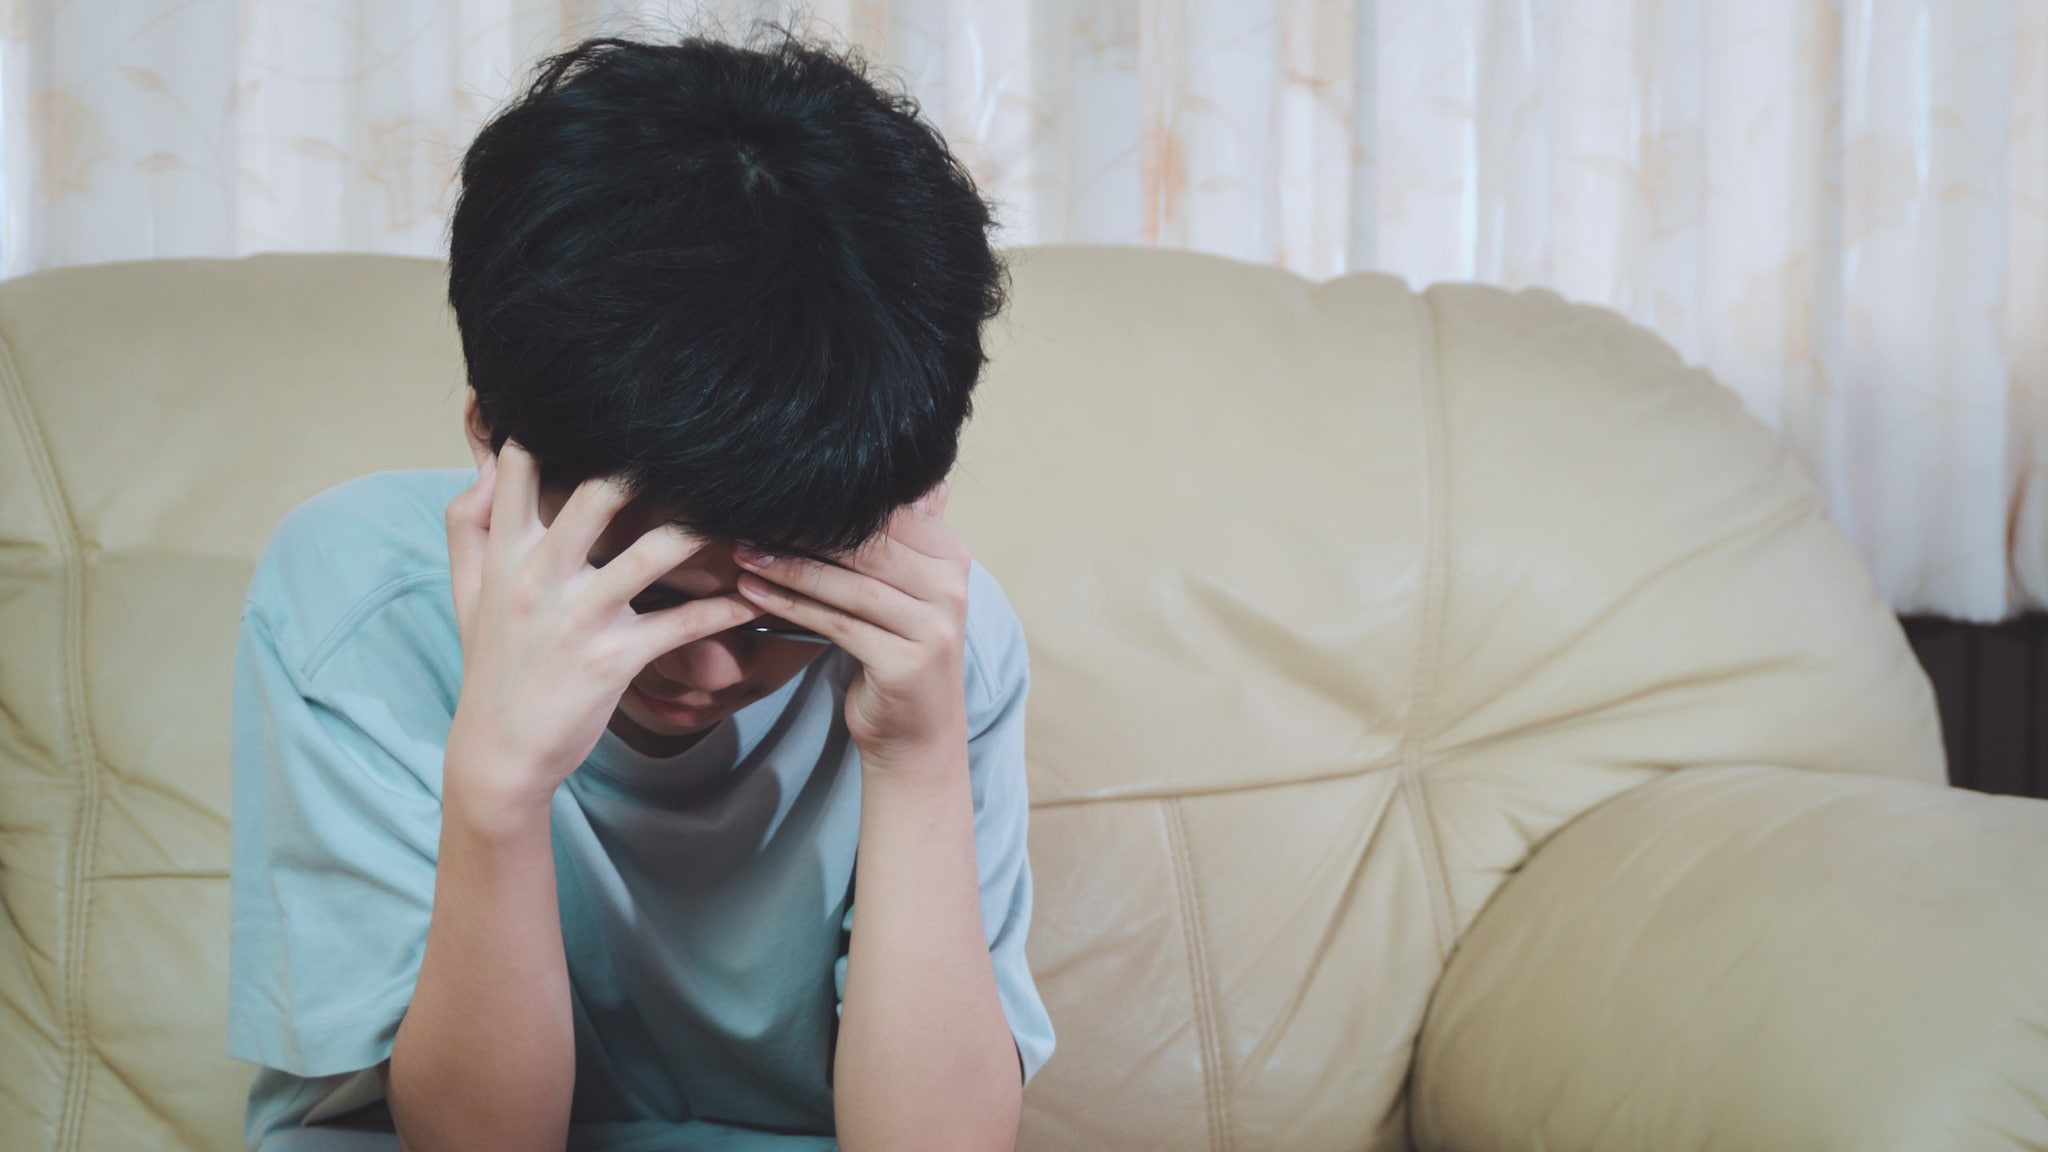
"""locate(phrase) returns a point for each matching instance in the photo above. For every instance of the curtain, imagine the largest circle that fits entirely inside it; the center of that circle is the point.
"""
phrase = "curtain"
(1839, 207)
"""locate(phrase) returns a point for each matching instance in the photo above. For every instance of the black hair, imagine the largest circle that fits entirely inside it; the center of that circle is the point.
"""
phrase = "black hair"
(744, 278)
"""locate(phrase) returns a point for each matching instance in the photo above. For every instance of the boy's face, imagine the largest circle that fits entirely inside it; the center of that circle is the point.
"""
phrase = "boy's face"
(689, 690)
(692, 688)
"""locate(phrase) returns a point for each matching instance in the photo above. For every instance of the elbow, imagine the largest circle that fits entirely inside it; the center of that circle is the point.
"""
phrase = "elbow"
(996, 1129)
(438, 1114)
(974, 1121)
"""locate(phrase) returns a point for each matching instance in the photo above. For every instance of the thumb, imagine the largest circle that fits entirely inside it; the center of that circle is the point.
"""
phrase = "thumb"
(469, 528)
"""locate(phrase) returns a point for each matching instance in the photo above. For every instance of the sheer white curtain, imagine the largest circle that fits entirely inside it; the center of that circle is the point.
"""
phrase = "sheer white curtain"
(1838, 206)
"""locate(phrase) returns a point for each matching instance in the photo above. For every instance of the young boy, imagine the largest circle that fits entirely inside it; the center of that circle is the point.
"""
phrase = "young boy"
(548, 786)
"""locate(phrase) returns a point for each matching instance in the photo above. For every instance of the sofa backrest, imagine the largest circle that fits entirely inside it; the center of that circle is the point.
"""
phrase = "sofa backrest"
(1341, 599)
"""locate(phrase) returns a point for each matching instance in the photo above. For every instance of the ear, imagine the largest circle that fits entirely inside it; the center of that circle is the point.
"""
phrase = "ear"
(475, 431)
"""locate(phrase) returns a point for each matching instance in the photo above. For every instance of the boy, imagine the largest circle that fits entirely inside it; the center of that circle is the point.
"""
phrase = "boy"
(549, 776)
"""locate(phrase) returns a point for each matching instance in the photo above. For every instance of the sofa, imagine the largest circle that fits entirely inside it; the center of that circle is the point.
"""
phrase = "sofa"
(1454, 725)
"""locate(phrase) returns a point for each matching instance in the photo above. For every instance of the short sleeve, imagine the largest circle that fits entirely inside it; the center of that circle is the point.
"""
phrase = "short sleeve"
(337, 768)
(998, 680)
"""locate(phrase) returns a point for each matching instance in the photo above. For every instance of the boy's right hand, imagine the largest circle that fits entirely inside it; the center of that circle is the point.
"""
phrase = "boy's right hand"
(549, 642)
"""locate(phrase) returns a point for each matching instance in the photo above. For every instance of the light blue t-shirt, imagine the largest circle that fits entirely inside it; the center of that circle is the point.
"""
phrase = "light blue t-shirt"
(706, 898)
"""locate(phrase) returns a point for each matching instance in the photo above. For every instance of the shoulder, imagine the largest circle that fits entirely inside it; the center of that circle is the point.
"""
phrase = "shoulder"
(998, 660)
(335, 559)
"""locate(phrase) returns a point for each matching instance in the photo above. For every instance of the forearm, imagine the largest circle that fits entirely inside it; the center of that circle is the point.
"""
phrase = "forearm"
(924, 1058)
(485, 1057)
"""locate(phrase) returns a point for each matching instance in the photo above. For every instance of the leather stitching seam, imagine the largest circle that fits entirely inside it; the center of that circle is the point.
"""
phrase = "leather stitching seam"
(1429, 641)
(85, 828)
(1214, 1082)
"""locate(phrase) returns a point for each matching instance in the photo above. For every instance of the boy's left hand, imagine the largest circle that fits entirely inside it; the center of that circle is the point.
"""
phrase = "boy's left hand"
(899, 605)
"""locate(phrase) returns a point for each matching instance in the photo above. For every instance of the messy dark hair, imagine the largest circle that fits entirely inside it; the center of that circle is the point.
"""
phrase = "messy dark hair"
(746, 279)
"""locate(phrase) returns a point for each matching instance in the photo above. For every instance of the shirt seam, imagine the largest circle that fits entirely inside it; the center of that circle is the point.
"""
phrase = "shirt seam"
(372, 602)
(981, 673)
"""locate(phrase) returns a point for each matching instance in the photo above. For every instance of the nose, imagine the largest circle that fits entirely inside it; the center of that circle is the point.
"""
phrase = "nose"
(712, 664)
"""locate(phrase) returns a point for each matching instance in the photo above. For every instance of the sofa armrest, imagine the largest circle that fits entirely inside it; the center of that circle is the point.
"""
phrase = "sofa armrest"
(1755, 958)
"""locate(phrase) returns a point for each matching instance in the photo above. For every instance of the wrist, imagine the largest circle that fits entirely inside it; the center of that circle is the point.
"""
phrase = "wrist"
(936, 758)
(488, 794)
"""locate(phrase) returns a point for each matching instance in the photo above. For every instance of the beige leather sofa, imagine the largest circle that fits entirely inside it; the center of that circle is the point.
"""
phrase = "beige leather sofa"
(1454, 724)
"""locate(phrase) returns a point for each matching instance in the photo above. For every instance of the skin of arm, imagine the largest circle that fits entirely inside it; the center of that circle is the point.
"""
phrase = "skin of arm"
(485, 1056)
(925, 1057)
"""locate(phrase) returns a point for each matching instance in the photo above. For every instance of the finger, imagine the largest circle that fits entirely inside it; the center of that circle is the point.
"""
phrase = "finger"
(643, 562)
(869, 644)
(854, 593)
(668, 629)
(885, 558)
(469, 512)
(581, 521)
(469, 526)
(515, 506)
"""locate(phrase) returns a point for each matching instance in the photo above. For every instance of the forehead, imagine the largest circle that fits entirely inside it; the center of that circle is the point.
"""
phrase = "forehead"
(705, 572)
